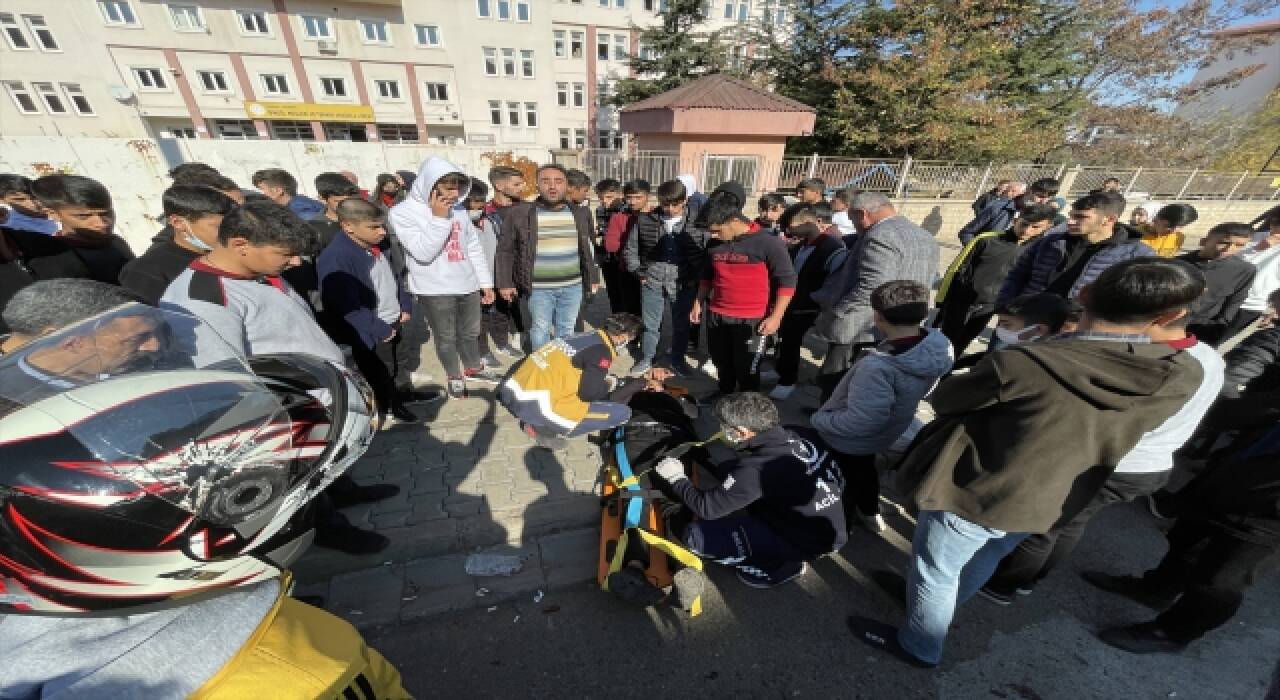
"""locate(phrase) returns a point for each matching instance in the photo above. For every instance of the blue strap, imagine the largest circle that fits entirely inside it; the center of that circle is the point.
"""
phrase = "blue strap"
(635, 506)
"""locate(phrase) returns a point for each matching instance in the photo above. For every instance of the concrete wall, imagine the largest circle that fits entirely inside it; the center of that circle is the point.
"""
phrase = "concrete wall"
(134, 169)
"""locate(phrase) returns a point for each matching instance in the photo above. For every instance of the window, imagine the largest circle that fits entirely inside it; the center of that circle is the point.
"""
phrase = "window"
(648, 5)
(576, 41)
(77, 99)
(292, 131)
(604, 3)
(398, 133)
(603, 92)
(316, 27)
(579, 138)
(253, 23)
(22, 97)
(504, 9)
(333, 87)
(509, 62)
(564, 139)
(495, 112)
(178, 132)
(526, 63)
(490, 61)
(117, 13)
(275, 84)
(513, 113)
(13, 32)
(374, 31)
(648, 53)
(523, 11)
(562, 94)
(150, 78)
(186, 18)
(235, 129)
(602, 47)
(531, 114)
(729, 9)
(213, 81)
(744, 9)
(40, 30)
(579, 95)
(558, 38)
(438, 92)
(388, 89)
(620, 3)
(482, 8)
(603, 139)
(428, 35)
(52, 99)
(619, 47)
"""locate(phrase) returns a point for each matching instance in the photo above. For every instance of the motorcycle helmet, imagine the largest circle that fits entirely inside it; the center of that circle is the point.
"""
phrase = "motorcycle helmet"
(134, 475)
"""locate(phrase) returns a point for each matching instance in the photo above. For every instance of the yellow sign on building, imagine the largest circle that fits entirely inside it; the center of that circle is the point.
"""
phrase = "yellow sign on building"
(305, 111)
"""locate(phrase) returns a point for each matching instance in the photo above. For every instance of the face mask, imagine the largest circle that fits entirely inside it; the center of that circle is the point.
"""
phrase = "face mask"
(196, 242)
(804, 230)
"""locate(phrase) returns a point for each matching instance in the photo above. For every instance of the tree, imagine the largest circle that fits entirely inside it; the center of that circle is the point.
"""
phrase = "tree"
(676, 52)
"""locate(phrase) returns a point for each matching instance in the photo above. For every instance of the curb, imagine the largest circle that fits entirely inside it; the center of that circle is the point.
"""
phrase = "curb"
(418, 589)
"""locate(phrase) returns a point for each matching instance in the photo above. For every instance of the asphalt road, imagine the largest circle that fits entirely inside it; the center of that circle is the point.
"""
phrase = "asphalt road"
(792, 642)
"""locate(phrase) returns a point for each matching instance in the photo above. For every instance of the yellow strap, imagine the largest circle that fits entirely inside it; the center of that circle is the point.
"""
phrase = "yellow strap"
(671, 549)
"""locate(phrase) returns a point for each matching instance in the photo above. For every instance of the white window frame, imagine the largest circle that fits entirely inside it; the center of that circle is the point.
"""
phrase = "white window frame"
(531, 115)
(484, 9)
(384, 86)
(265, 20)
(515, 114)
(131, 22)
(10, 23)
(579, 139)
(495, 113)
(489, 55)
(509, 62)
(621, 47)
(730, 9)
(581, 38)
(268, 78)
(421, 32)
(620, 4)
(159, 72)
(200, 28)
(35, 29)
(501, 7)
(527, 6)
(528, 64)
(605, 40)
(328, 26)
(400, 130)
(605, 4)
(744, 10)
(214, 76)
(366, 23)
(566, 139)
(579, 95)
(49, 90)
(341, 83)
(436, 87)
(73, 90)
(16, 88)
(560, 43)
(562, 94)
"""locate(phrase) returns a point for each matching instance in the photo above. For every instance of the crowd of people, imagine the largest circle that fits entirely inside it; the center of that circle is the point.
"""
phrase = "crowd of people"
(1105, 339)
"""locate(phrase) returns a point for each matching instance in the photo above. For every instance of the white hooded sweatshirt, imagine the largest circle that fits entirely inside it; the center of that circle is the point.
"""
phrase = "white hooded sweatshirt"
(444, 255)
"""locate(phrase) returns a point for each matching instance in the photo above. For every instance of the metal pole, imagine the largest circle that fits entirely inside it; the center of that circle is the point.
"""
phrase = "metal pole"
(982, 186)
(1187, 184)
(1062, 167)
(902, 178)
(1239, 182)
(1129, 187)
(813, 165)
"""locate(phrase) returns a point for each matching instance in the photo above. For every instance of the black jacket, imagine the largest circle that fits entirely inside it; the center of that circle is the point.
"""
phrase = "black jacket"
(518, 247)
(813, 271)
(647, 236)
(787, 479)
(977, 282)
(1229, 282)
(26, 257)
(102, 257)
(150, 274)
(1240, 492)
(1254, 364)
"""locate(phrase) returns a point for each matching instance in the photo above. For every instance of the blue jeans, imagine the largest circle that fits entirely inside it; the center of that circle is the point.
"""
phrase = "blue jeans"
(548, 308)
(951, 559)
(653, 302)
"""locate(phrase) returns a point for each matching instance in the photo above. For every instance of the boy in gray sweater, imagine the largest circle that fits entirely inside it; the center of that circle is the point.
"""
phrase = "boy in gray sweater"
(876, 400)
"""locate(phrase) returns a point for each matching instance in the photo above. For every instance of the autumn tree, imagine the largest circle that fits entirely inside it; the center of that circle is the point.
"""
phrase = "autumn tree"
(676, 51)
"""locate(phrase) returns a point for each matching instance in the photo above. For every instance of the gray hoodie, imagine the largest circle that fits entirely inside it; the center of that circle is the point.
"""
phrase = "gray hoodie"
(876, 400)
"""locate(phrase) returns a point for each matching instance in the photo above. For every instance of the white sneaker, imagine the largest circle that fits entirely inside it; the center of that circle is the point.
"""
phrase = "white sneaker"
(421, 378)
(782, 392)
(709, 368)
(769, 376)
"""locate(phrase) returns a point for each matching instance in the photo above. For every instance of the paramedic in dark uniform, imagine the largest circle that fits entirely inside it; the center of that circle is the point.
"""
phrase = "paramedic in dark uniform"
(564, 388)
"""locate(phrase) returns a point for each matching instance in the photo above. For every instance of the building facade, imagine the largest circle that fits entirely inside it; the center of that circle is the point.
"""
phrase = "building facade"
(1253, 47)
(517, 72)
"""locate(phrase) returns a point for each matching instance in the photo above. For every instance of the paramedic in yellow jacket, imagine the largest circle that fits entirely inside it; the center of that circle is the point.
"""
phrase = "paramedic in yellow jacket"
(564, 388)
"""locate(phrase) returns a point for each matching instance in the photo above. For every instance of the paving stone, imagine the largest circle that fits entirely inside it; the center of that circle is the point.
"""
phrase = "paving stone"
(432, 538)
(484, 531)
(399, 469)
(368, 598)
(472, 506)
(437, 585)
(427, 506)
(359, 514)
(528, 579)
(396, 504)
(570, 557)
(545, 516)
(384, 521)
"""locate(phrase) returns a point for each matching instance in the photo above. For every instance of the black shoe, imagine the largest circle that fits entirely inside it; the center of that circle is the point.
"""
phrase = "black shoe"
(420, 396)
(363, 494)
(883, 637)
(315, 601)
(1132, 587)
(630, 585)
(1143, 638)
(402, 413)
(352, 540)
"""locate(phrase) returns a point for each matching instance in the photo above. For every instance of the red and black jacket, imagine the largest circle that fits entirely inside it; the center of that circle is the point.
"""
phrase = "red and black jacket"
(742, 272)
